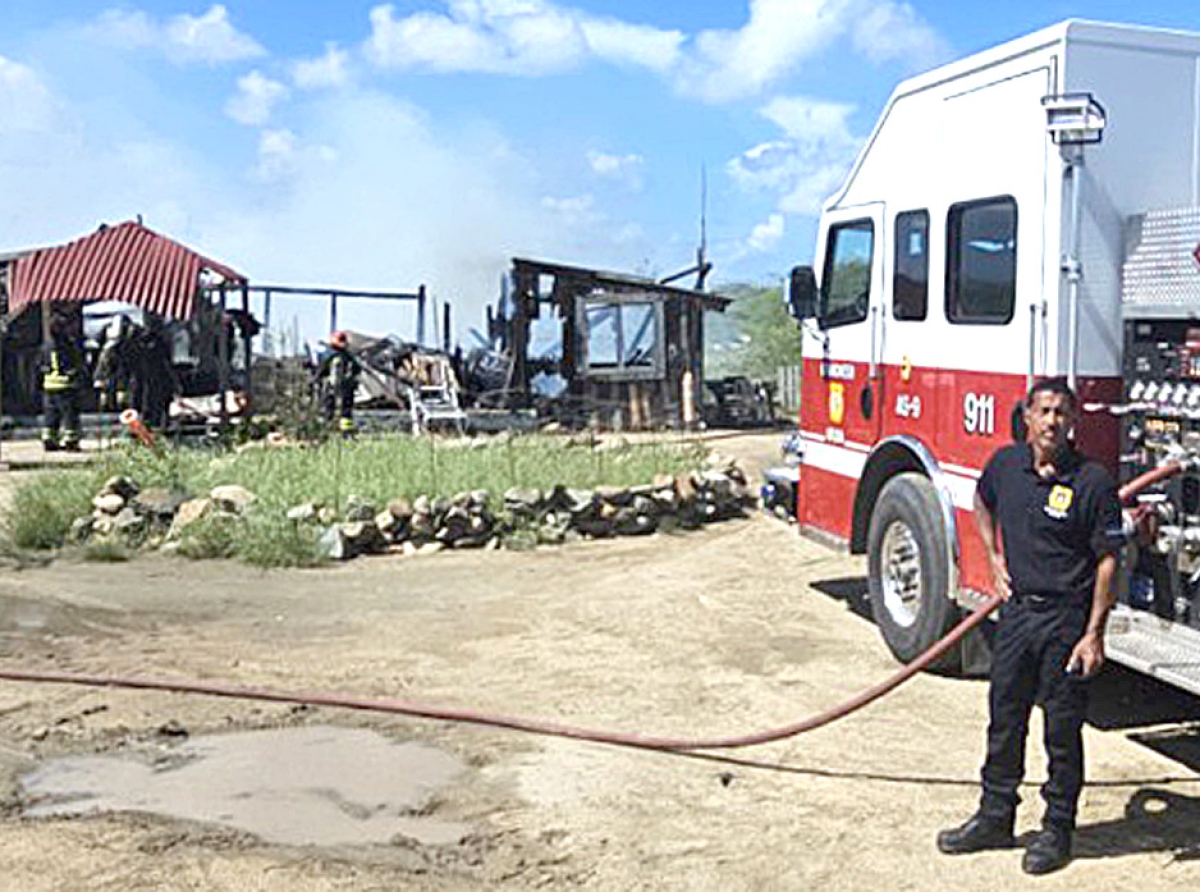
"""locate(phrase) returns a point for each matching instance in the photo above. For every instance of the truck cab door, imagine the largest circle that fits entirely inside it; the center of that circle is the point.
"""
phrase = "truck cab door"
(842, 402)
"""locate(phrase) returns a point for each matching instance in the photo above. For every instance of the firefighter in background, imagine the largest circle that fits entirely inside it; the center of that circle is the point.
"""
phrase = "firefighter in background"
(64, 371)
(134, 370)
(114, 366)
(154, 378)
(337, 375)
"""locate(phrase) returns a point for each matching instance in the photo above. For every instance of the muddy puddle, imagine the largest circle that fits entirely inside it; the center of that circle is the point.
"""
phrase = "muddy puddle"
(320, 786)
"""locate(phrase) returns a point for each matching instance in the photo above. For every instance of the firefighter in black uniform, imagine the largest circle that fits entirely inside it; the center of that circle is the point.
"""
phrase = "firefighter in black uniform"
(338, 373)
(1059, 525)
(64, 371)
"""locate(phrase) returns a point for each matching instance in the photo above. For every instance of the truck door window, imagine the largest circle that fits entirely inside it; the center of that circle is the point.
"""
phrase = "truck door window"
(910, 282)
(846, 285)
(981, 261)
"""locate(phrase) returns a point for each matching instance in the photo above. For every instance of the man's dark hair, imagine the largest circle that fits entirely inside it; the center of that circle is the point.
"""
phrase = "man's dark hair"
(1052, 385)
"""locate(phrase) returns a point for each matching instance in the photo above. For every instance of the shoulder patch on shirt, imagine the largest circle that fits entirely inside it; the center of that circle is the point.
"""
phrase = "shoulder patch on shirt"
(1058, 503)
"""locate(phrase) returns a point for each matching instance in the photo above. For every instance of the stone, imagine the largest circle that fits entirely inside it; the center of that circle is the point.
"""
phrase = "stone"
(189, 512)
(666, 499)
(644, 505)
(359, 509)
(81, 529)
(525, 500)
(431, 548)
(422, 505)
(663, 481)
(129, 523)
(630, 523)
(303, 513)
(327, 515)
(597, 527)
(420, 526)
(109, 503)
(159, 503)
(387, 524)
(410, 548)
(400, 508)
(332, 544)
(103, 525)
(232, 498)
(480, 498)
(685, 488)
(454, 526)
(120, 485)
(717, 483)
(614, 495)
(362, 536)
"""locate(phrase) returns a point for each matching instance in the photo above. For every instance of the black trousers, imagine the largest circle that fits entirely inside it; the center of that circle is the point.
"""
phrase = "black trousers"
(1030, 650)
(61, 410)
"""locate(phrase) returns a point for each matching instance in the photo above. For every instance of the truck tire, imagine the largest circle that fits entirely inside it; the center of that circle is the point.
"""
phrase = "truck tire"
(908, 577)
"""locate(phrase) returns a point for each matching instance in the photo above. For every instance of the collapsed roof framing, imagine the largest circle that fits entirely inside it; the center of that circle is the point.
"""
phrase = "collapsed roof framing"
(631, 350)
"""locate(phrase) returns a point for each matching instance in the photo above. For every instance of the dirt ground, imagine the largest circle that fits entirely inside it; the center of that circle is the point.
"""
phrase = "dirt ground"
(738, 627)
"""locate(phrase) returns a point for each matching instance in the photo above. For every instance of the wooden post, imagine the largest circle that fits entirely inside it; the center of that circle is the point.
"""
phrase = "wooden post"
(421, 316)
(248, 351)
(222, 362)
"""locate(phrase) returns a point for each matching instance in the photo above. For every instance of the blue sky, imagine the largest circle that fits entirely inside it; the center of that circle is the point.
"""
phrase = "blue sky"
(377, 145)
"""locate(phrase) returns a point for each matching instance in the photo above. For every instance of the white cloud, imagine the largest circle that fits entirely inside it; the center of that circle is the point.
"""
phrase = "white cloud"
(209, 38)
(513, 37)
(578, 210)
(329, 70)
(625, 169)
(256, 96)
(887, 31)
(540, 37)
(766, 235)
(281, 156)
(25, 103)
(623, 43)
(804, 167)
(780, 35)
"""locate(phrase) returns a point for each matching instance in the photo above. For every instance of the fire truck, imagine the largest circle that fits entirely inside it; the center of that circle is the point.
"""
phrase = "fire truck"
(1029, 211)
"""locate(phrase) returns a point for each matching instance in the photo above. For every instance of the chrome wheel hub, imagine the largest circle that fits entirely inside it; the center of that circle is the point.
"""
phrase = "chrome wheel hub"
(901, 573)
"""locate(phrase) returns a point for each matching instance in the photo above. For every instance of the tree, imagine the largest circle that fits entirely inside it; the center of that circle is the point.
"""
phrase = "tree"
(757, 335)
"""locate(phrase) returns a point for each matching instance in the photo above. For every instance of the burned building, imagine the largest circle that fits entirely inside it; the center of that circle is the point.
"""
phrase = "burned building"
(603, 348)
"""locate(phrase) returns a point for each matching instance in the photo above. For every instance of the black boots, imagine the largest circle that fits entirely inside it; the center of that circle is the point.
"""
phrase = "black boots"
(1049, 851)
(980, 832)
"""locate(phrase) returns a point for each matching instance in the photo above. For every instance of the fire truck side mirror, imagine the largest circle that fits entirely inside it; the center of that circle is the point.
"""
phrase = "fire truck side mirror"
(802, 293)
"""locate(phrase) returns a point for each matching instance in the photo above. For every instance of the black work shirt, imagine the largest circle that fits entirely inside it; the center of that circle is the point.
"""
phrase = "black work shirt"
(1055, 529)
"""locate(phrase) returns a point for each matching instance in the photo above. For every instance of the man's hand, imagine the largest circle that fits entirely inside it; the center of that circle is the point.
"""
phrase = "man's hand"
(1087, 656)
(1001, 581)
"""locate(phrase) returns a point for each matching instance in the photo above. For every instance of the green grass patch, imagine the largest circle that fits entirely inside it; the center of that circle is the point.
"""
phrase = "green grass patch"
(375, 469)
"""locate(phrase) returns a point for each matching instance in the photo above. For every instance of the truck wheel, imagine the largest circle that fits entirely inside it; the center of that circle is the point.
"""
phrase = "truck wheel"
(908, 573)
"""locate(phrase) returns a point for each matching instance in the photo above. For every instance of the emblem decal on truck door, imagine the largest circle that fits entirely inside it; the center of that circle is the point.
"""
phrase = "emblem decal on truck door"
(837, 402)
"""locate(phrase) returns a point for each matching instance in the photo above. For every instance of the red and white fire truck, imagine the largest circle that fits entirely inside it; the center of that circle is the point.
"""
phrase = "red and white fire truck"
(1031, 210)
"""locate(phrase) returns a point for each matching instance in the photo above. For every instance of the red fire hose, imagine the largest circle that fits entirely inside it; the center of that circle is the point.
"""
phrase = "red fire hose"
(535, 726)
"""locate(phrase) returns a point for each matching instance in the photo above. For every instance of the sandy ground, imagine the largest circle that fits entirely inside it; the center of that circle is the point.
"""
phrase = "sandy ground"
(738, 627)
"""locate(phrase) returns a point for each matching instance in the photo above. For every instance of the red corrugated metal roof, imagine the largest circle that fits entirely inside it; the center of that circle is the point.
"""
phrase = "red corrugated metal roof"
(126, 262)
